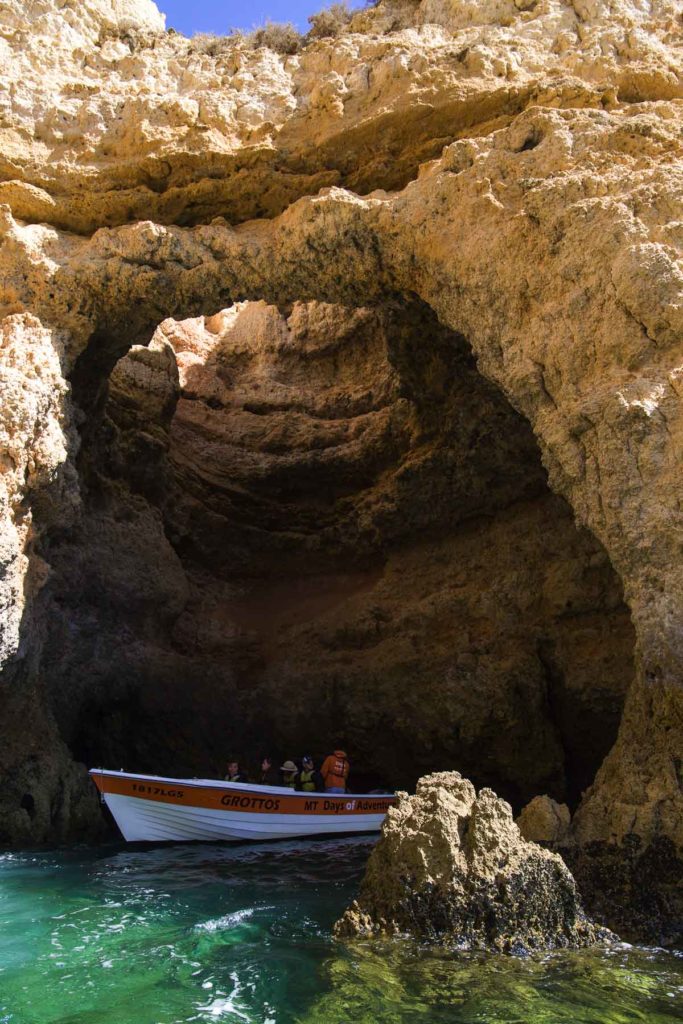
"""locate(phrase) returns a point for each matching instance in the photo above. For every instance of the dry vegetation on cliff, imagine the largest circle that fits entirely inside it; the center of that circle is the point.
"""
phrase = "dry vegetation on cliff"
(280, 37)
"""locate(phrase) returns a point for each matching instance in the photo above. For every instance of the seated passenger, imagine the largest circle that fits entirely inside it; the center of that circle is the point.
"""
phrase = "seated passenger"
(290, 774)
(335, 772)
(310, 781)
(234, 773)
(267, 775)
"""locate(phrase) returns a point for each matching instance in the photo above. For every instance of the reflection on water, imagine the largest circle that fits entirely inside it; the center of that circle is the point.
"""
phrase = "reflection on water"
(220, 933)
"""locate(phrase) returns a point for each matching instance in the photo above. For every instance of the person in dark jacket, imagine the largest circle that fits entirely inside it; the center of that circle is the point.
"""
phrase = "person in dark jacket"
(310, 780)
(235, 774)
(267, 775)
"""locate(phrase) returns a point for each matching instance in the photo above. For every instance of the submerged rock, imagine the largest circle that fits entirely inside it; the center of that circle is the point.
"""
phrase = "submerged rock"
(452, 865)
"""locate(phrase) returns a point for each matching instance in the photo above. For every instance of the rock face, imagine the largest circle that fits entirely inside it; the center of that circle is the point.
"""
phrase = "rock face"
(458, 231)
(451, 865)
(366, 532)
(543, 820)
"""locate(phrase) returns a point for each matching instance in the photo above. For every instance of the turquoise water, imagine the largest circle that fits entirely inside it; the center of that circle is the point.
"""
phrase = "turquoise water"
(214, 933)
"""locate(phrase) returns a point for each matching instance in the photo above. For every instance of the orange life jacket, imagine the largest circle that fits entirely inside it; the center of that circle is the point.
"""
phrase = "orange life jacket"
(335, 770)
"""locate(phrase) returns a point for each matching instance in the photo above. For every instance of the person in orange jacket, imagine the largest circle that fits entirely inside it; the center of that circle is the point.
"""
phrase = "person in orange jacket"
(335, 772)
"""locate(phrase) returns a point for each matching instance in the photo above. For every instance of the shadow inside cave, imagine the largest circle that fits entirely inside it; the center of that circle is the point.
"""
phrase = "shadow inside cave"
(323, 524)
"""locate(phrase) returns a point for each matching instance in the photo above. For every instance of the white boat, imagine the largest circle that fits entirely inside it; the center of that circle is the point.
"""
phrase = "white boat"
(152, 808)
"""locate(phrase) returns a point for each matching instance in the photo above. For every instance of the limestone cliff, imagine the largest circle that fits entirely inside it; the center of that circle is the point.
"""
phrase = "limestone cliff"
(458, 231)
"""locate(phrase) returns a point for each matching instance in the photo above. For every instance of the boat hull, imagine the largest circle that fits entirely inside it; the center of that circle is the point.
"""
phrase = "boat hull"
(149, 808)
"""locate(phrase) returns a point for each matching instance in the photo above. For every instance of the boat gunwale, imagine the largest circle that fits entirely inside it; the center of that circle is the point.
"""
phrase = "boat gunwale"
(238, 786)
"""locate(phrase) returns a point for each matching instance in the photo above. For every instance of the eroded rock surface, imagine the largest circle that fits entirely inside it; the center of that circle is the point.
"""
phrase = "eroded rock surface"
(516, 171)
(365, 530)
(543, 820)
(107, 119)
(451, 865)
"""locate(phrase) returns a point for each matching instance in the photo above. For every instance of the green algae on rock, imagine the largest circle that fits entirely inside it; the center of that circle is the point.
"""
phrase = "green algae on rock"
(452, 865)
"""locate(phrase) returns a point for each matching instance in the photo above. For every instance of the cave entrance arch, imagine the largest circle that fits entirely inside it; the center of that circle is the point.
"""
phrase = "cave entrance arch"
(493, 237)
(322, 523)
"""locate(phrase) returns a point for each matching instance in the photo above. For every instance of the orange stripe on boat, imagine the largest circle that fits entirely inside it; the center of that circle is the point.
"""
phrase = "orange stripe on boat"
(241, 800)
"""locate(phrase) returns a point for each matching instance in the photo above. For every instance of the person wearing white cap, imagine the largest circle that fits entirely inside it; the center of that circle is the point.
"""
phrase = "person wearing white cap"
(290, 774)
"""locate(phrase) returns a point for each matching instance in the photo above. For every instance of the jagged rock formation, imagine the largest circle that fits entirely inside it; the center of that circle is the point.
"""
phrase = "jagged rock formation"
(543, 820)
(513, 173)
(451, 865)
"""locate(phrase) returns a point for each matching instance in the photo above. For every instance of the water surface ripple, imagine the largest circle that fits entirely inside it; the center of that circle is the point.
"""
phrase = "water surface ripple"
(218, 933)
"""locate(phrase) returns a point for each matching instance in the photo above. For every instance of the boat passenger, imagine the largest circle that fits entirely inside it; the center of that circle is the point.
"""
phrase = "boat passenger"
(267, 775)
(234, 773)
(290, 774)
(310, 781)
(335, 772)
